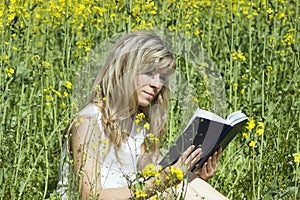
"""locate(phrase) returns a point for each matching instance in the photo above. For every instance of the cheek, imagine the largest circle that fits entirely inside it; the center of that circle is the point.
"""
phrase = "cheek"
(141, 81)
(159, 90)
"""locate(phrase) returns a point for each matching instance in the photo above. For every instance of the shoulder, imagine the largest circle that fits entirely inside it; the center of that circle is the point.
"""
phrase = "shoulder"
(90, 109)
(87, 124)
(89, 113)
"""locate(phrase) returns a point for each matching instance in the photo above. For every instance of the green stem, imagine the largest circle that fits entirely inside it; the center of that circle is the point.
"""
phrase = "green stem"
(38, 157)
(19, 140)
(253, 175)
(129, 10)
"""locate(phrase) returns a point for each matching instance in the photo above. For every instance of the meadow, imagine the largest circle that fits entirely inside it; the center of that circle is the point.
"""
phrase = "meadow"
(254, 44)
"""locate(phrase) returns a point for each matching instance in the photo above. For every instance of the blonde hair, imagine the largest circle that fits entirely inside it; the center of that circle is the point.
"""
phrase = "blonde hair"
(115, 86)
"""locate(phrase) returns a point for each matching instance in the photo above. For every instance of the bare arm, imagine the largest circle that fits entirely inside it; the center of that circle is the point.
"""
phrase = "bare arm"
(84, 144)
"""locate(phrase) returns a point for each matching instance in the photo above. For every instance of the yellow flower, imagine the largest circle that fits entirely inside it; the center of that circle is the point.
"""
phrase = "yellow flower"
(175, 172)
(151, 170)
(296, 157)
(140, 116)
(104, 142)
(68, 85)
(235, 86)
(289, 39)
(246, 136)
(63, 105)
(9, 71)
(147, 126)
(252, 143)
(251, 124)
(140, 194)
(269, 68)
(260, 131)
(243, 91)
(137, 121)
(157, 182)
(239, 56)
(269, 10)
(113, 15)
(197, 32)
(49, 97)
(260, 125)
(66, 94)
(154, 197)
(46, 64)
(57, 93)
(152, 138)
(37, 16)
(271, 40)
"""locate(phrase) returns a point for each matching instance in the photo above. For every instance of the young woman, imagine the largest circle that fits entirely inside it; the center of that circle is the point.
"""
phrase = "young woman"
(109, 141)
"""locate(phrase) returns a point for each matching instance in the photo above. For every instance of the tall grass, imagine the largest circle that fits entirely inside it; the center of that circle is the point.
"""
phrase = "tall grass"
(254, 44)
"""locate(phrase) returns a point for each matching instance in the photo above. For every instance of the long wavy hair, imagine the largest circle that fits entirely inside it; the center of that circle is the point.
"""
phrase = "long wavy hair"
(115, 86)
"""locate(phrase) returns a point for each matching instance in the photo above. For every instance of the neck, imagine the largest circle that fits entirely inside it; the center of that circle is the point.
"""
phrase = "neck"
(144, 110)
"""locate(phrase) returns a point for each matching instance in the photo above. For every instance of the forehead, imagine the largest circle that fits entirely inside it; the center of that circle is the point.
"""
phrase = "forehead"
(162, 66)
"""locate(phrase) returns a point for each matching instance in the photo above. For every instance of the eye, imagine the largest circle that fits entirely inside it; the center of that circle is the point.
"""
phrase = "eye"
(163, 78)
(148, 73)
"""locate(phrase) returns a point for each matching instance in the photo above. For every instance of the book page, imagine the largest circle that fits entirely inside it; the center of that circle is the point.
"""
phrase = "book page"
(206, 115)
(235, 118)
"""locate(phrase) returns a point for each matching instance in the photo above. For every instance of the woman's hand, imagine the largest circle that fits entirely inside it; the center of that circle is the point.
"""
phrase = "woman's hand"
(210, 167)
(188, 159)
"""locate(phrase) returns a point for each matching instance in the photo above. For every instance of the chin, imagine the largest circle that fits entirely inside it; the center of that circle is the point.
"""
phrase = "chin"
(144, 104)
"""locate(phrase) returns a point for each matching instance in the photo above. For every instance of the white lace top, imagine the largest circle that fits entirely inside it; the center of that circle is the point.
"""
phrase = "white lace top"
(113, 169)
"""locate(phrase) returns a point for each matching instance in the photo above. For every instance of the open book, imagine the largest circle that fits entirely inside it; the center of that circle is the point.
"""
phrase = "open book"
(208, 131)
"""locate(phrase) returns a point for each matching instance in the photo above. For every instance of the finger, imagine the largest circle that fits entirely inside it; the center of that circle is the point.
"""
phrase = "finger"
(209, 167)
(220, 150)
(215, 160)
(181, 161)
(187, 152)
(219, 153)
(192, 159)
(203, 173)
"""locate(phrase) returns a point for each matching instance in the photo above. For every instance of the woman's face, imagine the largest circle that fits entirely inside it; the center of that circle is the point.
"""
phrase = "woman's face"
(148, 86)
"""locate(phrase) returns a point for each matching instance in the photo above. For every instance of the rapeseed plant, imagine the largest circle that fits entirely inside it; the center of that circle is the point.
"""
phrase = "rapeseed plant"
(140, 194)
(252, 143)
(251, 124)
(9, 71)
(68, 85)
(296, 157)
(42, 44)
(151, 170)
(239, 56)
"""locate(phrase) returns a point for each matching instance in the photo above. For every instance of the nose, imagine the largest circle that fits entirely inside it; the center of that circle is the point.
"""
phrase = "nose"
(155, 81)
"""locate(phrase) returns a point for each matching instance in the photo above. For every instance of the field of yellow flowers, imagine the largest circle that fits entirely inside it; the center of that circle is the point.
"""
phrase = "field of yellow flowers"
(254, 43)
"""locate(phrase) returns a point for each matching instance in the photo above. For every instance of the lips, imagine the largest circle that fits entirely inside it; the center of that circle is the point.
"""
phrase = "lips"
(149, 94)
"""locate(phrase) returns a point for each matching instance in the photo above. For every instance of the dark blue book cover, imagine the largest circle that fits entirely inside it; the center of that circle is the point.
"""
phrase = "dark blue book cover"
(208, 131)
